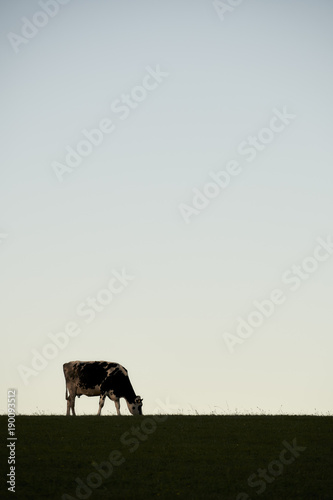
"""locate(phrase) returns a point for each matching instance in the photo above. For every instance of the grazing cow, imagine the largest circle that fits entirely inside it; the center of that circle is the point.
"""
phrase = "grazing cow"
(100, 378)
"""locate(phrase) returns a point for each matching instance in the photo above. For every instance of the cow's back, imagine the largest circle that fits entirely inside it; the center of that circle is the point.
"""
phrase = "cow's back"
(90, 374)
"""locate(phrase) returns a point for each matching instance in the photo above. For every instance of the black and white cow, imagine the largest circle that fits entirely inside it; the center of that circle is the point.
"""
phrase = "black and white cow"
(100, 378)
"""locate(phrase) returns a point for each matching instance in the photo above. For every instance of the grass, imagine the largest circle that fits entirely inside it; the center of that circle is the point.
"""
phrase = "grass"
(192, 457)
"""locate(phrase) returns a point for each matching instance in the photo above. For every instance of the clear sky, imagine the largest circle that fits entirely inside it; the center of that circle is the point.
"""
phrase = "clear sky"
(208, 188)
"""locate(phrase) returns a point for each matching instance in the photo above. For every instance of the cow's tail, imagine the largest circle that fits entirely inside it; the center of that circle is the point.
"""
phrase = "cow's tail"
(65, 370)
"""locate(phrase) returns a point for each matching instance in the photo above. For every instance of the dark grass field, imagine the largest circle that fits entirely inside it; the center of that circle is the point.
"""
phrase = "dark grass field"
(218, 457)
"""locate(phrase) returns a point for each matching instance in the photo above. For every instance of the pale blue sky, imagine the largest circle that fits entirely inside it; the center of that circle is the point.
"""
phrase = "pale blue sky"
(120, 207)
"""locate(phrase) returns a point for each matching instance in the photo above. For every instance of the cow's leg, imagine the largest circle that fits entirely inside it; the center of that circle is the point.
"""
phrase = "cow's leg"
(67, 399)
(73, 406)
(101, 403)
(116, 401)
(117, 405)
(68, 407)
(71, 402)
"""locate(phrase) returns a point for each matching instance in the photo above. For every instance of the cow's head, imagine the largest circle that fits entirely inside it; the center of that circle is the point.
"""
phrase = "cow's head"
(136, 407)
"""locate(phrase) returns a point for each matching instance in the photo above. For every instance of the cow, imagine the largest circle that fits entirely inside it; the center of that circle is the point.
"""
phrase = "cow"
(100, 378)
